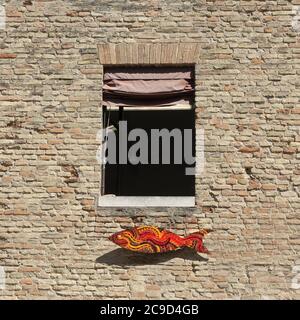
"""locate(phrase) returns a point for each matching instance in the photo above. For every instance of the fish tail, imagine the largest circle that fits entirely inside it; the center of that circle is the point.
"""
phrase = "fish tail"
(195, 240)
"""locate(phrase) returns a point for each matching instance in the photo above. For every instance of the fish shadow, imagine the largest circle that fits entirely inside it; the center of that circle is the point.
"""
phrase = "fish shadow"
(122, 257)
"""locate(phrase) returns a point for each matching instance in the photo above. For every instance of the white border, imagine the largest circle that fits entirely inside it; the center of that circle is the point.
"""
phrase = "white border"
(2, 16)
(2, 278)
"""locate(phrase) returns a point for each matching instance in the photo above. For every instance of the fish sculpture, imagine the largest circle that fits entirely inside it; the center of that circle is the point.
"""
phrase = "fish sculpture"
(149, 239)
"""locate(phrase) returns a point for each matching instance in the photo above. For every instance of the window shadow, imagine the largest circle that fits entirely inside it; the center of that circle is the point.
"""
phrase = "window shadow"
(123, 257)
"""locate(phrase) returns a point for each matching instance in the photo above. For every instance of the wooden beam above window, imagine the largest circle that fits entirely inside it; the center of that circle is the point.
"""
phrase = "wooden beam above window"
(146, 54)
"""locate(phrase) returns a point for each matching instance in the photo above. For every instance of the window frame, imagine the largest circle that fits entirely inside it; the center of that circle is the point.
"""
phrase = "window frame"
(109, 200)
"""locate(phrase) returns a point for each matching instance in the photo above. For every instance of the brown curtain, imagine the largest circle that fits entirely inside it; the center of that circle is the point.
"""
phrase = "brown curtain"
(148, 86)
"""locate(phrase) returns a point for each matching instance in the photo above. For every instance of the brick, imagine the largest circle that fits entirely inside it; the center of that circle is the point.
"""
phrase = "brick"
(249, 149)
(7, 56)
(26, 281)
(54, 190)
(290, 150)
(269, 186)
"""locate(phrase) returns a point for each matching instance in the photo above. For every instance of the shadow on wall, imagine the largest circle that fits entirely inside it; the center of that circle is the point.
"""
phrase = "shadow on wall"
(123, 257)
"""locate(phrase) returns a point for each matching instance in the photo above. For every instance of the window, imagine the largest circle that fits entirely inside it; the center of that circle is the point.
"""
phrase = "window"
(149, 124)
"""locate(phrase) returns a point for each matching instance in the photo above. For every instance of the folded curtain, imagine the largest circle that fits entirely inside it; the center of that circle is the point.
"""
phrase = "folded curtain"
(148, 86)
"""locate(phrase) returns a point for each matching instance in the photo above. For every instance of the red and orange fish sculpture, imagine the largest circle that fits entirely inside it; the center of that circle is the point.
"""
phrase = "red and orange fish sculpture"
(148, 239)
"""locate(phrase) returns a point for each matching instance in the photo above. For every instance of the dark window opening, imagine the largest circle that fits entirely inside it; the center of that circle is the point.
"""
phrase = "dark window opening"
(152, 179)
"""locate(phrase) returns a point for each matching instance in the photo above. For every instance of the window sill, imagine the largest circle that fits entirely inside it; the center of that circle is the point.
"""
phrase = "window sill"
(114, 201)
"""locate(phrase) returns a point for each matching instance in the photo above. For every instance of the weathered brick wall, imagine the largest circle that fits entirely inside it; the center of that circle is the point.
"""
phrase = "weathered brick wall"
(53, 239)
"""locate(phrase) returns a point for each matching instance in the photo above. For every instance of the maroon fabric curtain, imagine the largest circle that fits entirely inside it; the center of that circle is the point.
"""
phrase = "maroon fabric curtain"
(148, 86)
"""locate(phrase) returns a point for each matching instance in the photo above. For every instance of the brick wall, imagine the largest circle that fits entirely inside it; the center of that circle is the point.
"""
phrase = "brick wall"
(53, 238)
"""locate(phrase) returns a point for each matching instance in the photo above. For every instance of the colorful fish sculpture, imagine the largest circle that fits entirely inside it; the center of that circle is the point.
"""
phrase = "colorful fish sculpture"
(148, 239)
